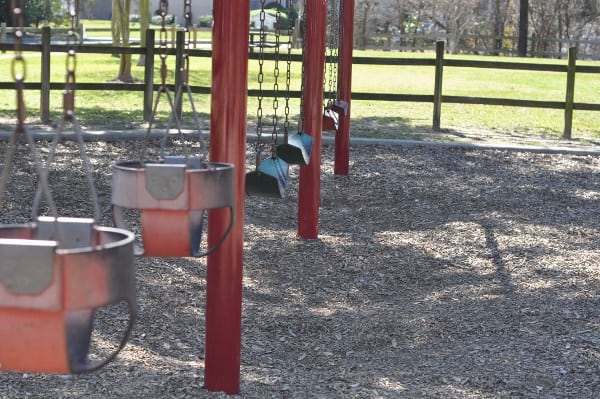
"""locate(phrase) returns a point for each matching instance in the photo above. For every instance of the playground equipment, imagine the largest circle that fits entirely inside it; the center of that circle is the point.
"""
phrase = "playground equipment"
(173, 193)
(342, 137)
(55, 272)
(296, 148)
(227, 145)
(271, 174)
(335, 107)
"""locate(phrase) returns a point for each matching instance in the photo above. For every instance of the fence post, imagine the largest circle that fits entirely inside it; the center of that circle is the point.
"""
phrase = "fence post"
(149, 74)
(179, 47)
(570, 95)
(3, 32)
(437, 91)
(195, 35)
(173, 30)
(80, 33)
(45, 75)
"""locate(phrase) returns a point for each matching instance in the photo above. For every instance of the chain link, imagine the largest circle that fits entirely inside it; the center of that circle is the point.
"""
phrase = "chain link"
(18, 66)
(301, 123)
(71, 61)
(288, 78)
(261, 79)
(330, 80)
(163, 42)
(276, 76)
(185, 64)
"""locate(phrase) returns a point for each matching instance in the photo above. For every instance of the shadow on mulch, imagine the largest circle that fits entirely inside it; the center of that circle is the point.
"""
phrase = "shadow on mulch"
(438, 272)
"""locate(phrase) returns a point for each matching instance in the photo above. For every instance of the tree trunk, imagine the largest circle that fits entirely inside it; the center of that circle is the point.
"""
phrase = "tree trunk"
(125, 64)
(499, 19)
(523, 27)
(144, 24)
(115, 23)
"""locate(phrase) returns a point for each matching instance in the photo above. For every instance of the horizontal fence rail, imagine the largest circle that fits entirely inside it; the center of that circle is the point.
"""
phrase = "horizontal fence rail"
(436, 98)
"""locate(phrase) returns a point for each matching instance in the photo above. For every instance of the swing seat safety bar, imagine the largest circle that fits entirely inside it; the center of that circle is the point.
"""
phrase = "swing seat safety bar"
(269, 179)
(298, 149)
(50, 287)
(173, 195)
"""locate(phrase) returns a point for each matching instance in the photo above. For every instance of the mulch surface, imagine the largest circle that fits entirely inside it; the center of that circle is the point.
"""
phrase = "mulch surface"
(438, 273)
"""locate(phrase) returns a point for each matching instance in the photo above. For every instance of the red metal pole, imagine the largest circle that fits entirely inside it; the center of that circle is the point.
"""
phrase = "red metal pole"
(227, 144)
(342, 136)
(314, 62)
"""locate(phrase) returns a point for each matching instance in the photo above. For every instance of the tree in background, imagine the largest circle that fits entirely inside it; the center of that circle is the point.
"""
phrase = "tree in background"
(485, 26)
(36, 11)
(457, 17)
(144, 25)
(120, 26)
(365, 11)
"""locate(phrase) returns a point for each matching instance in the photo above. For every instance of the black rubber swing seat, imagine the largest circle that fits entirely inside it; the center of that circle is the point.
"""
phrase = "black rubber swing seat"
(331, 120)
(269, 179)
(297, 150)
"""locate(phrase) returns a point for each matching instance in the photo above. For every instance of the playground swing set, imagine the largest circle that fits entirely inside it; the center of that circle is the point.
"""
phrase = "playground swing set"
(55, 271)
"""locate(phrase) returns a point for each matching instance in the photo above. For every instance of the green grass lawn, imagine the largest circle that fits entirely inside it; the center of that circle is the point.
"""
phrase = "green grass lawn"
(369, 118)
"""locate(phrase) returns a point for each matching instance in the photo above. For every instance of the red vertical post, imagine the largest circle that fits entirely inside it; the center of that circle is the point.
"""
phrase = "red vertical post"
(227, 144)
(342, 136)
(314, 64)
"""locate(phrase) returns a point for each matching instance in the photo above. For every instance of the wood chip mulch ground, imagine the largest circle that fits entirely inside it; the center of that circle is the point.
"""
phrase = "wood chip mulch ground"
(438, 273)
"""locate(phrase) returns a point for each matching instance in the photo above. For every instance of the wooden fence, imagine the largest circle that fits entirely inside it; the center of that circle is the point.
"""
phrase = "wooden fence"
(436, 98)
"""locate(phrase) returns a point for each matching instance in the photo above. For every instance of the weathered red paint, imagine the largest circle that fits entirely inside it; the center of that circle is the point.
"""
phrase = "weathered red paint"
(227, 144)
(342, 136)
(314, 61)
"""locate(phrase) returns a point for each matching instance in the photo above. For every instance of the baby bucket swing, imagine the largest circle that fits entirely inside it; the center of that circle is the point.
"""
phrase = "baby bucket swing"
(55, 272)
(172, 192)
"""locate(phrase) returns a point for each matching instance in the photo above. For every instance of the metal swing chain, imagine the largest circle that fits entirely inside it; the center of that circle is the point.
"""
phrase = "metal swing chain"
(187, 17)
(164, 52)
(275, 117)
(163, 43)
(340, 46)
(288, 79)
(18, 69)
(69, 116)
(261, 79)
(301, 123)
(184, 72)
(332, 45)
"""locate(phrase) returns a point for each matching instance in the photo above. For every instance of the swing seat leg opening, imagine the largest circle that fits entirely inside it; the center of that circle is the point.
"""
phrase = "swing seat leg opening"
(171, 233)
(34, 341)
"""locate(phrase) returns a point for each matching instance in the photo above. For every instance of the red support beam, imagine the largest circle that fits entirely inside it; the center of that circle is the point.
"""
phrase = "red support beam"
(342, 136)
(227, 144)
(314, 61)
